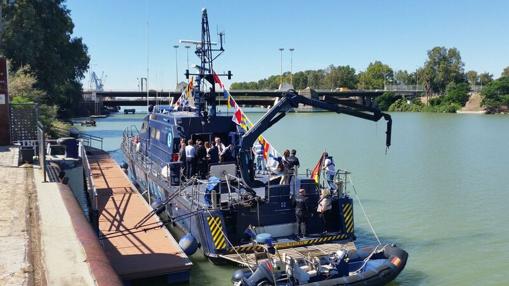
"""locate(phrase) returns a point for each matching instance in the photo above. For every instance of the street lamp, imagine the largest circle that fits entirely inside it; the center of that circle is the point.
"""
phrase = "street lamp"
(176, 65)
(291, 65)
(281, 51)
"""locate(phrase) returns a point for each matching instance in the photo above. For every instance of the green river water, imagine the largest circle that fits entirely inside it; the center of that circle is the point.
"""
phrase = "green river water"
(439, 192)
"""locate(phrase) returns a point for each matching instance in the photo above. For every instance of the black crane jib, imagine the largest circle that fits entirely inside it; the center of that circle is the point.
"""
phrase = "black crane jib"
(291, 100)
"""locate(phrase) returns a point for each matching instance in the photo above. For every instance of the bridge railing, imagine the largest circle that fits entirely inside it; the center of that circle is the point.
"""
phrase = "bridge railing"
(404, 87)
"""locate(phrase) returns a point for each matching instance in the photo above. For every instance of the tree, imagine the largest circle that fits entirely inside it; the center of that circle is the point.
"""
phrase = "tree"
(457, 93)
(442, 67)
(472, 77)
(496, 94)
(38, 34)
(300, 80)
(404, 78)
(485, 78)
(375, 76)
(340, 76)
(22, 86)
(505, 73)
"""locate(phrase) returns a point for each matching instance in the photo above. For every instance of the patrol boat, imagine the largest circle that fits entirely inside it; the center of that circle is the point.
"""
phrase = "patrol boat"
(217, 210)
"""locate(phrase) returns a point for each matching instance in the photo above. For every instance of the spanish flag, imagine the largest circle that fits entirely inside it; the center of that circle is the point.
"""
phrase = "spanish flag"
(315, 174)
(189, 87)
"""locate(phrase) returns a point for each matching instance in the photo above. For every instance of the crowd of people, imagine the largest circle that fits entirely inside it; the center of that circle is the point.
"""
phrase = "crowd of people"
(196, 156)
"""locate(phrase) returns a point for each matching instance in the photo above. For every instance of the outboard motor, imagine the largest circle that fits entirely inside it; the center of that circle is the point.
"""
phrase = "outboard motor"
(188, 244)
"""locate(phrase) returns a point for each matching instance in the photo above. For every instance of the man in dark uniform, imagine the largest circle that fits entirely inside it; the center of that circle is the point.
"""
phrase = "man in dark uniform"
(201, 159)
(293, 165)
(302, 212)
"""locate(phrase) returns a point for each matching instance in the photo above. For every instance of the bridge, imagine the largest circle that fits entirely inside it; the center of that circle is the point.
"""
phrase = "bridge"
(95, 100)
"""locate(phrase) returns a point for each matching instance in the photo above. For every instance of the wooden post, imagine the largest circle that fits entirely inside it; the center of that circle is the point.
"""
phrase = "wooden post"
(5, 138)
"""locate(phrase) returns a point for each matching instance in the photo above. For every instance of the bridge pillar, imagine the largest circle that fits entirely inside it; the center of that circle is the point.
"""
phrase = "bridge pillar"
(309, 93)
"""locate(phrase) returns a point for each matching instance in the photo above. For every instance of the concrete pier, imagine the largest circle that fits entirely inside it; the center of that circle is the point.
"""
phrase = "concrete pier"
(15, 259)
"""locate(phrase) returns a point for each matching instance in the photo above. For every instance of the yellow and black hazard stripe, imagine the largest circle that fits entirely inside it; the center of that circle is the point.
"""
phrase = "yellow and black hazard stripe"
(216, 232)
(284, 245)
(348, 217)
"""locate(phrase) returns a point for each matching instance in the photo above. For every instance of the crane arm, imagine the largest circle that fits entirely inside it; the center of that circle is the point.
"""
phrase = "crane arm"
(291, 100)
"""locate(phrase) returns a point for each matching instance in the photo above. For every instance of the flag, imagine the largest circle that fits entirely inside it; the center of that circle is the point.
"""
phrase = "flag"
(217, 80)
(189, 87)
(231, 102)
(226, 94)
(237, 116)
(266, 147)
(315, 174)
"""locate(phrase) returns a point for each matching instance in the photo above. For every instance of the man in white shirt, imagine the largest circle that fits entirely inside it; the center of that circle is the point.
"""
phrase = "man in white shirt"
(221, 149)
(330, 170)
(190, 158)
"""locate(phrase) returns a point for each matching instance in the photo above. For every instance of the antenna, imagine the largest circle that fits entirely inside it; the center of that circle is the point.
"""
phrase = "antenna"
(206, 98)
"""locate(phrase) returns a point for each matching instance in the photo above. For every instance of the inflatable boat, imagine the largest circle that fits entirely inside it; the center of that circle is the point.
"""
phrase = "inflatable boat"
(376, 265)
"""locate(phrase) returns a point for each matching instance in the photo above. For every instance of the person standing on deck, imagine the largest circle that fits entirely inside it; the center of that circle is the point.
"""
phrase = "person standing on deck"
(182, 156)
(330, 170)
(201, 159)
(300, 203)
(220, 146)
(190, 158)
(260, 161)
(324, 209)
(285, 180)
(213, 154)
(293, 165)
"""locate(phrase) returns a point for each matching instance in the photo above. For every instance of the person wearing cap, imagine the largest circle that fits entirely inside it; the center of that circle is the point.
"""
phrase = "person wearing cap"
(302, 212)
(293, 165)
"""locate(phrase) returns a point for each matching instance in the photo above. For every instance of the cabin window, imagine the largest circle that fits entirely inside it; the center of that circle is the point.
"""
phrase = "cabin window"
(153, 132)
(158, 135)
(169, 139)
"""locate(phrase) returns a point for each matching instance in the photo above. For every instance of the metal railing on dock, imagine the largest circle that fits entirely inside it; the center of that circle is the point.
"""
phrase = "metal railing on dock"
(91, 189)
(91, 140)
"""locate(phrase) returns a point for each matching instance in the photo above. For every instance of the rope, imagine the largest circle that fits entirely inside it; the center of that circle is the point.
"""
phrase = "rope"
(369, 257)
(364, 211)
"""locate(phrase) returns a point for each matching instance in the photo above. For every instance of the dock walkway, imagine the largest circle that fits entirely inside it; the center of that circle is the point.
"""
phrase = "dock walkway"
(135, 253)
(14, 239)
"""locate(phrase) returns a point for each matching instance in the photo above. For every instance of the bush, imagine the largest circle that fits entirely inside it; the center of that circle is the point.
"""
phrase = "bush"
(402, 105)
(386, 100)
(457, 93)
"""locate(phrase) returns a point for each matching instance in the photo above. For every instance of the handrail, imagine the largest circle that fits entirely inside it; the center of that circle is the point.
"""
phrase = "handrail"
(89, 139)
(91, 189)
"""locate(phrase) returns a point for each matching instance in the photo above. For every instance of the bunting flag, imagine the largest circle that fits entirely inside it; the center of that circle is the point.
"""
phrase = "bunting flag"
(217, 79)
(231, 102)
(315, 174)
(270, 154)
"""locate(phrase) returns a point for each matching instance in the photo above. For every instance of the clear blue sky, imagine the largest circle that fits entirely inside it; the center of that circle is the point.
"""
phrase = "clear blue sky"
(351, 33)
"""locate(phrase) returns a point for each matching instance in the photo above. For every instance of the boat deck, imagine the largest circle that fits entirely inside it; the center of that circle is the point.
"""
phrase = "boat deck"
(302, 252)
(135, 253)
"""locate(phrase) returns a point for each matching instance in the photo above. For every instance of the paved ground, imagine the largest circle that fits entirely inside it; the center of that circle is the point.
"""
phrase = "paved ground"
(15, 266)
